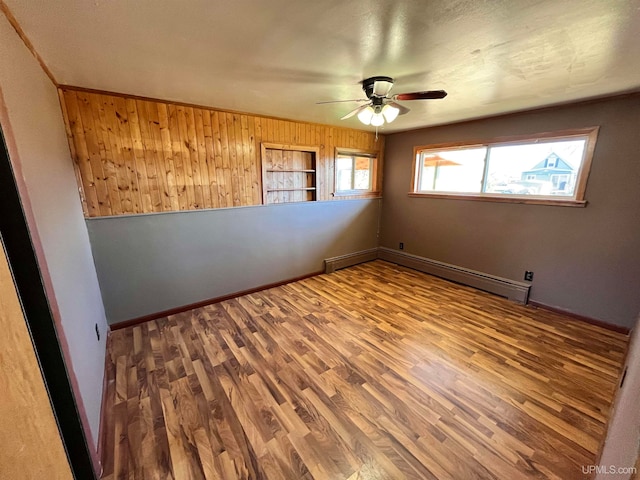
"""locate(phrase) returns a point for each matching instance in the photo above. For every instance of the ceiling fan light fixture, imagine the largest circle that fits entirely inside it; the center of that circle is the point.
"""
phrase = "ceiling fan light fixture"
(377, 119)
(366, 115)
(382, 87)
(381, 106)
(390, 113)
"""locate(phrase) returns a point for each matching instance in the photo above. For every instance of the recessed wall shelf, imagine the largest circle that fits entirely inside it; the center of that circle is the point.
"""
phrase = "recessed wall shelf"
(288, 173)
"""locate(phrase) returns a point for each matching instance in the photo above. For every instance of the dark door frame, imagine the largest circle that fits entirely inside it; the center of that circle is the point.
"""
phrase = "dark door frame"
(15, 236)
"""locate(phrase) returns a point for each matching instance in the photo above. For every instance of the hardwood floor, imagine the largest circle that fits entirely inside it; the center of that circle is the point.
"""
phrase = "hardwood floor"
(372, 372)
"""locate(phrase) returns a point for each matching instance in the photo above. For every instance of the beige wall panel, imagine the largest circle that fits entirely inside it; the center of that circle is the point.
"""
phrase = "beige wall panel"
(31, 444)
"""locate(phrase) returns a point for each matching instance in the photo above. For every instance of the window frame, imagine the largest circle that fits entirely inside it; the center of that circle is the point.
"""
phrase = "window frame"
(373, 190)
(578, 200)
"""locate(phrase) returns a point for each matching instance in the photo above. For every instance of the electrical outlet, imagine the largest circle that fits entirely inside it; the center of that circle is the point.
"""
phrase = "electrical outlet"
(401, 245)
(97, 332)
(528, 276)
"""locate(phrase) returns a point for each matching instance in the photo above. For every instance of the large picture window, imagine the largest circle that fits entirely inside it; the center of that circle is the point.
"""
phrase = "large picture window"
(545, 168)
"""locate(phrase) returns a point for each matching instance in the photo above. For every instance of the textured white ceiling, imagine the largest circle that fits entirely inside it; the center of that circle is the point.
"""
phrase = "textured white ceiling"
(279, 57)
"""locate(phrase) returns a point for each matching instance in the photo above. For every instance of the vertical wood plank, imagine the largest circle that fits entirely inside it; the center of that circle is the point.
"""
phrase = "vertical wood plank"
(74, 153)
(255, 176)
(210, 159)
(287, 183)
(87, 181)
(223, 192)
(153, 157)
(233, 159)
(96, 158)
(266, 177)
(242, 137)
(156, 146)
(299, 180)
(269, 130)
(249, 174)
(167, 149)
(328, 157)
(127, 169)
(317, 140)
(259, 155)
(226, 159)
(113, 162)
(178, 157)
(116, 156)
(192, 147)
(185, 148)
(144, 147)
(330, 167)
(201, 151)
(278, 164)
(129, 163)
(117, 110)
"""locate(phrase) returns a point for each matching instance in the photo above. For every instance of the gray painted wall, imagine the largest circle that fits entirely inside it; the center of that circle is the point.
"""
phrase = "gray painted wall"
(150, 263)
(36, 126)
(585, 260)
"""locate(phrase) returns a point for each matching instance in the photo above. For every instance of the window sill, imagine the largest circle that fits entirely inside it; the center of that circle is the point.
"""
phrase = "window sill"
(356, 193)
(489, 198)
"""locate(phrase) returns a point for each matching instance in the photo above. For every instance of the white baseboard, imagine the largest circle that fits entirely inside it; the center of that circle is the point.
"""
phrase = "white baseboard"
(343, 261)
(516, 291)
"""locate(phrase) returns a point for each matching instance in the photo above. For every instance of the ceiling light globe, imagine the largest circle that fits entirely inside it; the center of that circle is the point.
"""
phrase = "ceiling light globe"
(365, 115)
(390, 113)
(377, 120)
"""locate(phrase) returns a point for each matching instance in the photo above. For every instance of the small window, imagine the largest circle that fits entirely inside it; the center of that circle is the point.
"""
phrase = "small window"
(355, 172)
(546, 168)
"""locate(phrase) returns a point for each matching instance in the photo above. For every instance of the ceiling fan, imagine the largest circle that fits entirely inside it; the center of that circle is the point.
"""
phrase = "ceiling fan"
(380, 105)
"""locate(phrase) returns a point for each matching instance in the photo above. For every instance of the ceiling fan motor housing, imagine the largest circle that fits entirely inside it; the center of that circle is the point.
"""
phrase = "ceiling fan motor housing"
(377, 87)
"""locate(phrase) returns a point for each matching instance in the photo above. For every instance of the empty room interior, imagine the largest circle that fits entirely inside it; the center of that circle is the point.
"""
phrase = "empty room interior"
(320, 240)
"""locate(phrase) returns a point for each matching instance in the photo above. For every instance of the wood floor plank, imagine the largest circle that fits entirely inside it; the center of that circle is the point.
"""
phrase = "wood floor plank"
(372, 372)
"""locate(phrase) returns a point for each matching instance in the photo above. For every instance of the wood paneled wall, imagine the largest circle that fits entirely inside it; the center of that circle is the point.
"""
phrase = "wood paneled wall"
(136, 155)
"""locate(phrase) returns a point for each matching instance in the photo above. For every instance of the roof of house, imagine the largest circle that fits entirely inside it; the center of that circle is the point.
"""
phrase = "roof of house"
(560, 165)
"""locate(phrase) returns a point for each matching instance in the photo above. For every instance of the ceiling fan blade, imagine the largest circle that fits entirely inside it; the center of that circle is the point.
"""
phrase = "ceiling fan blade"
(342, 101)
(402, 108)
(428, 95)
(355, 111)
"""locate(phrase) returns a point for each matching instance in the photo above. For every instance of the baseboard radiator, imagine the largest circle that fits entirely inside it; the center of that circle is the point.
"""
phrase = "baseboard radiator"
(516, 291)
(343, 261)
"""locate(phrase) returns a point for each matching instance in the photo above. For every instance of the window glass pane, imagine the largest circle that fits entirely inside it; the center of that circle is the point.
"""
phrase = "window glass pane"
(344, 169)
(543, 168)
(453, 170)
(362, 175)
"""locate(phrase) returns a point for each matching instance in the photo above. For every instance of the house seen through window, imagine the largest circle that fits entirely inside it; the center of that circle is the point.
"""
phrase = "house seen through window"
(551, 167)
